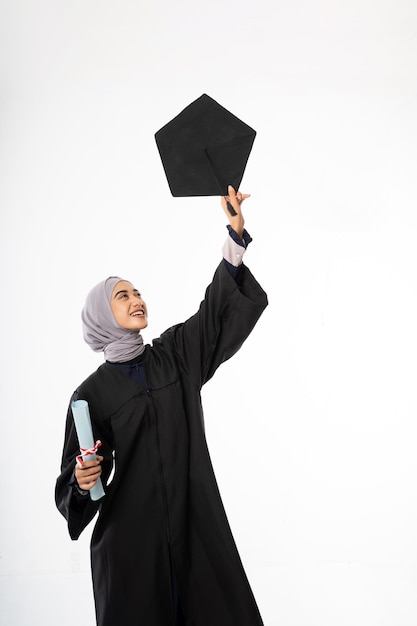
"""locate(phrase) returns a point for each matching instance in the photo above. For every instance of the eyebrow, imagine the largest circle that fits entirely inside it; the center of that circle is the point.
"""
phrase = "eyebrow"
(119, 292)
(125, 291)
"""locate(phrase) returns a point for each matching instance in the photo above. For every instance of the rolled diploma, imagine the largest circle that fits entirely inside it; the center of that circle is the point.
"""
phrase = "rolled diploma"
(84, 430)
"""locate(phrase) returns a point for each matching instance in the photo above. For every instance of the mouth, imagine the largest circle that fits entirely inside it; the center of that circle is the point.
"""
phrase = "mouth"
(138, 313)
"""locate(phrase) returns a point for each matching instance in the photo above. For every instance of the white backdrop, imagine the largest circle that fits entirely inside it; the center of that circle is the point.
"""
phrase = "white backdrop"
(317, 467)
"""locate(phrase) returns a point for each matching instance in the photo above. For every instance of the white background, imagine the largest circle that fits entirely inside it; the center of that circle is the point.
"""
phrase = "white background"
(312, 426)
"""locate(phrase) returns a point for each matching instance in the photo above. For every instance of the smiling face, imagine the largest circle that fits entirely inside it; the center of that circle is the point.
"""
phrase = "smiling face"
(128, 308)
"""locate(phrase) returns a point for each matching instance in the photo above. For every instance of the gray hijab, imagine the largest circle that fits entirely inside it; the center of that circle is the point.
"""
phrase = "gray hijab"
(100, 329)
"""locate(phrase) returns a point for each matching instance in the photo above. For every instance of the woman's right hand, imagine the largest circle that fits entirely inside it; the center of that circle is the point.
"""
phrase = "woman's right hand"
(235, 198)
(87, 475)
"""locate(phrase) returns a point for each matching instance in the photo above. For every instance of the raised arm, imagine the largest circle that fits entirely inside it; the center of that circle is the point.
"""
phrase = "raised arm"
(232, 304)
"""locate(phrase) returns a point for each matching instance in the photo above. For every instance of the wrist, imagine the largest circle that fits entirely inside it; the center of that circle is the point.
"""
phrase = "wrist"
(76, 487)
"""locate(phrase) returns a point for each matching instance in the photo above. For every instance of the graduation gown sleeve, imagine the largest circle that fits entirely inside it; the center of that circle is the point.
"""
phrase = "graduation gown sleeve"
(225, 318)
(78, 510)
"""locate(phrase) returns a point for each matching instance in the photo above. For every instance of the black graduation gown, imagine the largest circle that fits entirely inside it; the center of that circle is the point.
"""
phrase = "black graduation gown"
(163, 506)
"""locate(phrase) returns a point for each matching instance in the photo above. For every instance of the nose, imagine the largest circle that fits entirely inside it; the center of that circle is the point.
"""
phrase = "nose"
(136, 301)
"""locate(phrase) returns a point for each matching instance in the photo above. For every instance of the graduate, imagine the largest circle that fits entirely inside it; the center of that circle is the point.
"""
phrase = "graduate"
(162, 551)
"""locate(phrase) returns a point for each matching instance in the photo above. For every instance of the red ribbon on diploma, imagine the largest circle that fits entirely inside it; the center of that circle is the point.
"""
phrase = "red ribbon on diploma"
(87, 452)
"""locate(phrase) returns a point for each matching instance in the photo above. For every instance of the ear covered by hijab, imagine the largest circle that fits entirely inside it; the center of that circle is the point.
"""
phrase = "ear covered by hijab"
(100, 329)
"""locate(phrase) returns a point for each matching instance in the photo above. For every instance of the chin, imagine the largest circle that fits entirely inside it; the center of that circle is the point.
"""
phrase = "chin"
(140, 326)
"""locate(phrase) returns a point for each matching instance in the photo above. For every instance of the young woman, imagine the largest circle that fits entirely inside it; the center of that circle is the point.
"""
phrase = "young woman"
(162, 551)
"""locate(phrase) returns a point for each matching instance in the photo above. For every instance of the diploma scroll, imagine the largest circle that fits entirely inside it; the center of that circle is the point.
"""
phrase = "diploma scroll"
(88, 448)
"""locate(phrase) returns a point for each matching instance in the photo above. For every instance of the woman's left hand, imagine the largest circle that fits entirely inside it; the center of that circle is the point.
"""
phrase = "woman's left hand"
(237, 221)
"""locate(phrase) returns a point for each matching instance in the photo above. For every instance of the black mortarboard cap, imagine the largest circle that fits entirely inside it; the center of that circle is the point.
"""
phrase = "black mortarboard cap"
(204, 149)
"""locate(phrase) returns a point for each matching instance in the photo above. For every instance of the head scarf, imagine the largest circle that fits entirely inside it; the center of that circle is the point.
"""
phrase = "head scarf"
(100, 329)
